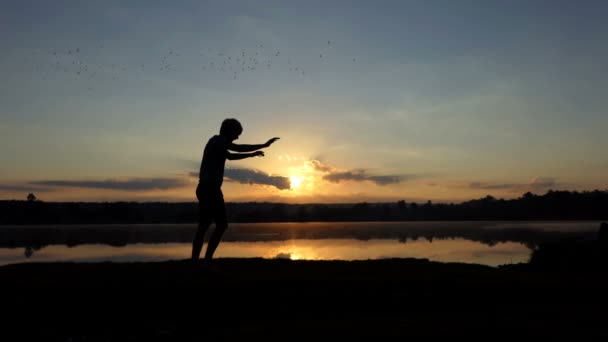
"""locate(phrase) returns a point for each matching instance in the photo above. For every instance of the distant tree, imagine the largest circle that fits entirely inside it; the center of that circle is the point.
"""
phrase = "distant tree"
(362, 205)
(528, 195)
(386, 209)
(31, 197)
(402, 205)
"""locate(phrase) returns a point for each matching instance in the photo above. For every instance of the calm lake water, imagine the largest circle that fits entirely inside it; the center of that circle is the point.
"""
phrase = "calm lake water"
(488, 243)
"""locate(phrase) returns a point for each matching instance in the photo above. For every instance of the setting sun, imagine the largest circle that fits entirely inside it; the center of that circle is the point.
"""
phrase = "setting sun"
(295, 182)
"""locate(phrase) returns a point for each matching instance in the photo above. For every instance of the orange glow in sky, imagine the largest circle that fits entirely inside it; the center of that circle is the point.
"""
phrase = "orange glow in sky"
(377, 106)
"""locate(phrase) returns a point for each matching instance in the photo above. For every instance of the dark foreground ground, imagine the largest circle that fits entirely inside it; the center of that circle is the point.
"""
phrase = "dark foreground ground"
(258, 299)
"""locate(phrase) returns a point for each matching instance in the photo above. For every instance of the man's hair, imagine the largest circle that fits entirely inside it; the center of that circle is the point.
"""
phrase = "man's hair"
(231, 126)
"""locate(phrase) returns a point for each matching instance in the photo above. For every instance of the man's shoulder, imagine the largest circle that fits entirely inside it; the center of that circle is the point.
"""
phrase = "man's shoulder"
(218, 141)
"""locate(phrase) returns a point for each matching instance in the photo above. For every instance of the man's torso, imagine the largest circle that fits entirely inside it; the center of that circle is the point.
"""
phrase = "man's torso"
(214, 161)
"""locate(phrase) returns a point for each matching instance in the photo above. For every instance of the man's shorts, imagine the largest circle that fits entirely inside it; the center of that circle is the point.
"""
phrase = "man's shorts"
(211, 206)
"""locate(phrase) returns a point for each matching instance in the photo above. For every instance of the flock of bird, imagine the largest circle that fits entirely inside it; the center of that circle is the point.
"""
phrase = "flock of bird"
(85, 65)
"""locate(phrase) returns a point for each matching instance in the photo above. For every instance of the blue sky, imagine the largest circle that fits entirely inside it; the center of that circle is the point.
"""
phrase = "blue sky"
(453, 99)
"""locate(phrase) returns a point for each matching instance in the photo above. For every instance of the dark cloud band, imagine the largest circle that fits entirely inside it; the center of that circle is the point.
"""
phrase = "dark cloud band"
(23, 188)
(133, 184)
(536, 184)
(248, 176)
(334, 176)
(361, 176)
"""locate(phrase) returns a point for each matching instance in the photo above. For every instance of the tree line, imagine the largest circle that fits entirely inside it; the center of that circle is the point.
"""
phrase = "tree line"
(553, 205)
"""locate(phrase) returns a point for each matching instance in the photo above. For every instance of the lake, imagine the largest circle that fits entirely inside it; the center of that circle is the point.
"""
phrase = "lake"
(482, 242)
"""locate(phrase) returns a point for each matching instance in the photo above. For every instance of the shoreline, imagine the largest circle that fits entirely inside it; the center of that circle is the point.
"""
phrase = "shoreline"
(276, 298)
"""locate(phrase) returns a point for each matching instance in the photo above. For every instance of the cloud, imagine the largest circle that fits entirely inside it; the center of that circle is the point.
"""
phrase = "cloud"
(536, 184)
(336, 176)
(283, 256)
(384, 180)
(22, 188)
(132, 184)
(360, 176)
(491, 186)
(249, 176)
(318, 166)
(542, 183)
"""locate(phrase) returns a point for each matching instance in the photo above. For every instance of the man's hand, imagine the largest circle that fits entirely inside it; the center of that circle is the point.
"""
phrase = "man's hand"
(271, 141)
(258, 154)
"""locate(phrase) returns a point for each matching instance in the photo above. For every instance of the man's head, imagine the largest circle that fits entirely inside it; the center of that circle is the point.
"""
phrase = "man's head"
(231, 129)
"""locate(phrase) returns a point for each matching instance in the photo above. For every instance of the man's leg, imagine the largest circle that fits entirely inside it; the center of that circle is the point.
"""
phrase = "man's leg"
(204, 222)
(199, 238)
(221, 224)
(214, 240)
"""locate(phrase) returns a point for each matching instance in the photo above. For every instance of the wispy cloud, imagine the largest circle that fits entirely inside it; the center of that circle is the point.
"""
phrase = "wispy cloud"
(131, 184)
(360, 175)
(492, 186)
(249, 176)
(317, 165)
(23, 188)
(536, 184)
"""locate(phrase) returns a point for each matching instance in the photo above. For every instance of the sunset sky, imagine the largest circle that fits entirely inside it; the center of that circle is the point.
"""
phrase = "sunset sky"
(373, 100)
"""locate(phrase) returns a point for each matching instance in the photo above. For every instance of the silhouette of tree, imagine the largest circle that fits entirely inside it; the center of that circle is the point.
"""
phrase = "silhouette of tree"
(362, 205)
(402, 205)
(31, 197)
(528, 196)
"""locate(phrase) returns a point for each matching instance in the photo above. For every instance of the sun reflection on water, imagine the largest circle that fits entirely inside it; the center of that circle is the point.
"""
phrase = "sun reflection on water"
(450, 250)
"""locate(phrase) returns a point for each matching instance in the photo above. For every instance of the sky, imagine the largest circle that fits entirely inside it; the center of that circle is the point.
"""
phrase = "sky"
(373, 100)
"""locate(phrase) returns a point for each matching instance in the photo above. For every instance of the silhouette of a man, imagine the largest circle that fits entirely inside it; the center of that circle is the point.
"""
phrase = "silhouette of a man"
(211, 207)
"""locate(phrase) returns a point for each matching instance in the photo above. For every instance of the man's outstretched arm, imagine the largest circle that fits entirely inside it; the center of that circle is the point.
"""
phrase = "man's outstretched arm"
(238, 156)
(250, 148)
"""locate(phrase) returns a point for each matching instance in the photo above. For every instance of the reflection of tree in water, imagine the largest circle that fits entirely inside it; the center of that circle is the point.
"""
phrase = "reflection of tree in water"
(30, 249)
(531, 238)
(33, 237)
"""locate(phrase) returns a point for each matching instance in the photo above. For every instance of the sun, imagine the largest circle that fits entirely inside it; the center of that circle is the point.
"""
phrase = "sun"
(295, 182)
